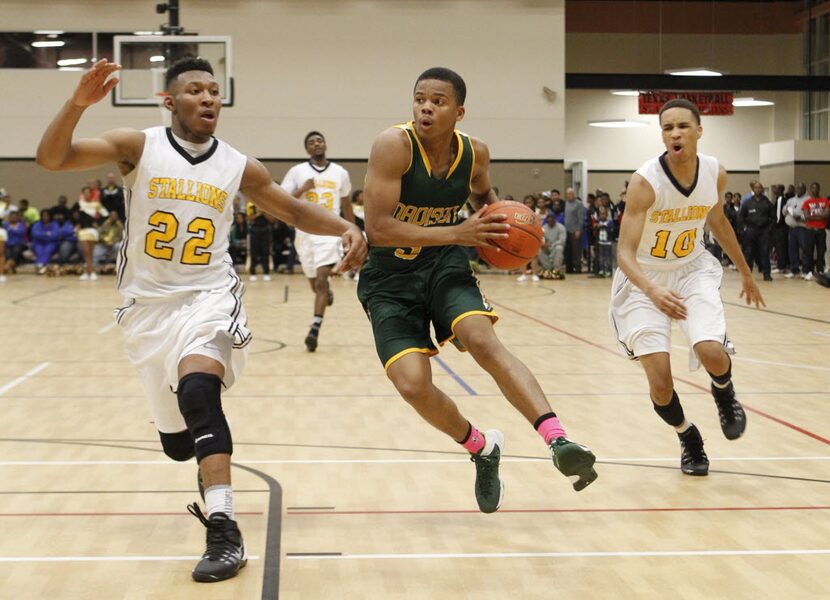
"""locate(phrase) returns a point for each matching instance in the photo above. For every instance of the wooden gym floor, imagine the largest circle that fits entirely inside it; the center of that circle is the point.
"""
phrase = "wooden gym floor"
(343, 492)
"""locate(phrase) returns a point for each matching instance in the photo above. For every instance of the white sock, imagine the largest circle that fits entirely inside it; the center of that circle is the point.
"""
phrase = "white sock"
(219, 498)
(683, 426)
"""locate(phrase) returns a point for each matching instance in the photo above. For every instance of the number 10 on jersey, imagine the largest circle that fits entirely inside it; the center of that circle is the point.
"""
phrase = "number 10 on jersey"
(683, 244)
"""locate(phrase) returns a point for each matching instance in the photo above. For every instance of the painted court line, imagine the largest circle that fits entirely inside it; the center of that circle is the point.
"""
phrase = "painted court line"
(112, 514)
(566, 510)
(673, 553)
(37, 559)
(766, 362)
(30, 373)
(381, 461)
(823, 333)
(456, 377)
(106, 328)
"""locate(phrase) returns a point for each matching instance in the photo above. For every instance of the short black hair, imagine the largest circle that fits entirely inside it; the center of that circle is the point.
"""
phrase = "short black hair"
(311, 134)
(184, 64)
(451, 77)
(680, 103)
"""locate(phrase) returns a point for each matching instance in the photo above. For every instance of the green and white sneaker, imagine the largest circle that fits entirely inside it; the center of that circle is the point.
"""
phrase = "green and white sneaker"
(576, 462)
(489, 488)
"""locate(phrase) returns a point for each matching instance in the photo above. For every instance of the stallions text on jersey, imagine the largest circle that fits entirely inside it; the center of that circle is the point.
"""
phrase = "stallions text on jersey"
(673, 230)
(179, 216)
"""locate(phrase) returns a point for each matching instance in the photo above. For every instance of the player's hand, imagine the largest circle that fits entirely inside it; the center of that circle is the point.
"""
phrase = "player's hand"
(669, 302)
(354, 245)
(750, 292)
(308, 185)
(94, 85)
(480, 230)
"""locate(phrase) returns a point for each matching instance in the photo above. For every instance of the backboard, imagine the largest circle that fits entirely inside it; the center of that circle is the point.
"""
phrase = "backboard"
(145, 58)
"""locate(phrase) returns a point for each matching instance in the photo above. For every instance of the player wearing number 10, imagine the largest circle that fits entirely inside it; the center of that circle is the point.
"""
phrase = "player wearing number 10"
(665, 273)
(183, 318)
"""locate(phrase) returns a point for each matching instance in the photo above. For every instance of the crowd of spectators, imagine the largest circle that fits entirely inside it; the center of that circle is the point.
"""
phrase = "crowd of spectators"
(783, 231)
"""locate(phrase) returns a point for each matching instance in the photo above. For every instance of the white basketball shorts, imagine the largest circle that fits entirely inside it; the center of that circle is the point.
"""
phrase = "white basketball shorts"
(160, 334)
(315, 251)
(640, 328)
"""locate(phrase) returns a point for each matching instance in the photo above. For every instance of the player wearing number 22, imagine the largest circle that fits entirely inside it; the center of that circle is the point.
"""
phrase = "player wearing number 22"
(419, 175)
(183, 318)
(666, 274)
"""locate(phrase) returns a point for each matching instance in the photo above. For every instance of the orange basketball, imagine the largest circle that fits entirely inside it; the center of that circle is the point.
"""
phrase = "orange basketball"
(525, 236)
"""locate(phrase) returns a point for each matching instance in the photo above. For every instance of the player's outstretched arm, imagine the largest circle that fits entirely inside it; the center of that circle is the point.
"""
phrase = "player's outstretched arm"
(725, 235)
(639, 198)
(311, 218)
(57, 151)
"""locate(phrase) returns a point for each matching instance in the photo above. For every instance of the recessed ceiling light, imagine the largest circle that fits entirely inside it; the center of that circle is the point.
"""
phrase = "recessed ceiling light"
(695, 72)
(618, 123)
(743, 102)
(68, 62)
(48, 31)
(157, 58)
(625, 92)
(49, 44)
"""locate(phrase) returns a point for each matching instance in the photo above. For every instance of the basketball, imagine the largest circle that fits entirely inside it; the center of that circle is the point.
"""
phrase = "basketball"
(524, 237)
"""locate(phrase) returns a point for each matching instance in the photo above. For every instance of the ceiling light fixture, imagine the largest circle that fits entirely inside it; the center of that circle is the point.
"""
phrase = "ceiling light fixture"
(68, 62)
(49, 44)
(625, 92)
(157, 58)
(744, 102)
(695, 72)
(617, 123)
(48, 31)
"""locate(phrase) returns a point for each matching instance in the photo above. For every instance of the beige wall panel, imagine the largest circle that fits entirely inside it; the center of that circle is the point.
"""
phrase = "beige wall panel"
(814, 172)
(784, 174)
(351, 78)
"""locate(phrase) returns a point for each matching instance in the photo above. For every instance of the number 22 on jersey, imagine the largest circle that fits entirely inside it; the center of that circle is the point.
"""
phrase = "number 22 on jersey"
(684, 243)
(166, 227)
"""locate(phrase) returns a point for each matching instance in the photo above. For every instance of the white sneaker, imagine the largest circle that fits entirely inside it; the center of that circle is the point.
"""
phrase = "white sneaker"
(808, 276)
(775, 271)
(93, 276)
(789, 275)
(252, 278)
(84, 277)
(2, 279)
(522, 277)
(535, 278)
(266, 278)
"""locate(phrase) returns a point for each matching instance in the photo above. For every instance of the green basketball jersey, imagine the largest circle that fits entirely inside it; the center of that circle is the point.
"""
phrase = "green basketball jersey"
(427, 201)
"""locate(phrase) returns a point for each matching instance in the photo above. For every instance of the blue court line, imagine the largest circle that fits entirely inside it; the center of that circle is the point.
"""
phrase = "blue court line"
(453, 374)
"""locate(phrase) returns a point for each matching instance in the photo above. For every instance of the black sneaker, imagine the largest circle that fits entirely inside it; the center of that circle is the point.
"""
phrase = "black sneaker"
(732, 415)
(330, 300)
(225, 553)
(693, 460)
(311, 340)
(489, 488)
(574, 461)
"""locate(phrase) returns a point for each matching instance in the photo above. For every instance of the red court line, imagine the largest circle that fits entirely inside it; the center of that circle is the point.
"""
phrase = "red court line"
(562, 510)
(109, 514)
(792, 426)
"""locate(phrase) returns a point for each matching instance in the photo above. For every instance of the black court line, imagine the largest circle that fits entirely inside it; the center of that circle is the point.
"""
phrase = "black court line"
(37, 294)
(279, 346)
(780, 314)
(273, 532)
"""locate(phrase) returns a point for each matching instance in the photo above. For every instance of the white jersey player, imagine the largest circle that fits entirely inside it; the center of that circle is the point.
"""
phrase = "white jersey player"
(665, 274)
(183, 317)
(326, 184)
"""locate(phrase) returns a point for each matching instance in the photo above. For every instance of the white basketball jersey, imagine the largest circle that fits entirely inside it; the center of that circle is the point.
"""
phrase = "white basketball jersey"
(179, 216)
(330, 185)
(673, 231)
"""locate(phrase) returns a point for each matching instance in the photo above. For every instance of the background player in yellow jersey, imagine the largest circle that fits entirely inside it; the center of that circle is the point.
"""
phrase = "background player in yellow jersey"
(183, 318)
(666, 274)
(419, 176)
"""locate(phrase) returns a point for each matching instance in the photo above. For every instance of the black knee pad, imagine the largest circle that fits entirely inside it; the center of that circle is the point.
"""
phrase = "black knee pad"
(671, 413)
(178, 446)
(200, 402)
